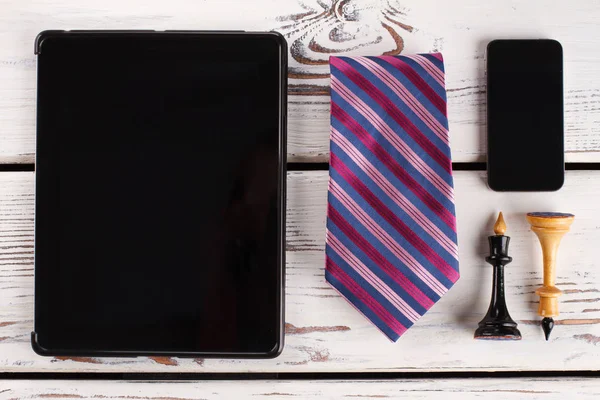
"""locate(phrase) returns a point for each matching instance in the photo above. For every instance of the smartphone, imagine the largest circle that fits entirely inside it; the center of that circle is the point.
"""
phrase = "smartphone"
(525, 115)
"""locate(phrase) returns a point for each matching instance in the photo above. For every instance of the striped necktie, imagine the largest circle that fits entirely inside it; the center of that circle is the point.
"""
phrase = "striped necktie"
(391, 227)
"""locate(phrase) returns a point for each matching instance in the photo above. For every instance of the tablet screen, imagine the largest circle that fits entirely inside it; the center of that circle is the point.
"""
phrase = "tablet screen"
(159, 193)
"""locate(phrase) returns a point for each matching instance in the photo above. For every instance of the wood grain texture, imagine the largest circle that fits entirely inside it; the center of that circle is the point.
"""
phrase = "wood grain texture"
(442, 389)
(316, 29)
(325, 333)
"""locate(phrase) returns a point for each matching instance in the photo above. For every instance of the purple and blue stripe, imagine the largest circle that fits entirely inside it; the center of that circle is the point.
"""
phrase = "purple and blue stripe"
(391, 226)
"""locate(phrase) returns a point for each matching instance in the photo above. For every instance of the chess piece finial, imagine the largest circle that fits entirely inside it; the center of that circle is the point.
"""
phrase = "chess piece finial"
(500, 225)
(549, 227)
(497, 323)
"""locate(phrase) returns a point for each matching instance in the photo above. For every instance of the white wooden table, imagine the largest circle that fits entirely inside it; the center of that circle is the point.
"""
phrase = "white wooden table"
(323, 333)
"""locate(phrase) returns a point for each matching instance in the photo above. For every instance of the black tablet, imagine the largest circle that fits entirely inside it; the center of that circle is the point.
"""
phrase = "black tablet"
(160, 193)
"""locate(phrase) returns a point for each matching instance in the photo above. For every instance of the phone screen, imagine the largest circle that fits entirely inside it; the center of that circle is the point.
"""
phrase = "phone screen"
(525, 115)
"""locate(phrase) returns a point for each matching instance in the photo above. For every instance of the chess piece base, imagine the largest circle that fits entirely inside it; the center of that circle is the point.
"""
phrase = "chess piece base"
(499, 331)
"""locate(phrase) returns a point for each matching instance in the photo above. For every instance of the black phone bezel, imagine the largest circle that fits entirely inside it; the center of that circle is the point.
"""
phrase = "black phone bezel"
(490, 165)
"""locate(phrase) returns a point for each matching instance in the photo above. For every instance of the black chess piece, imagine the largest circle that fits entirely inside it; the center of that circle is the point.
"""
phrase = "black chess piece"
(497, 323)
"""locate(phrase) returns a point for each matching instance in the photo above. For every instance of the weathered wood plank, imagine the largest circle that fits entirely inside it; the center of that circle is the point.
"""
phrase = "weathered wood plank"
(315, 29)
(324, 333)
(443, 389)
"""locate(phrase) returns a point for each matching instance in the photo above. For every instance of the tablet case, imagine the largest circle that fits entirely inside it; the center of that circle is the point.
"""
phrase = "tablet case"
(41, 350)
